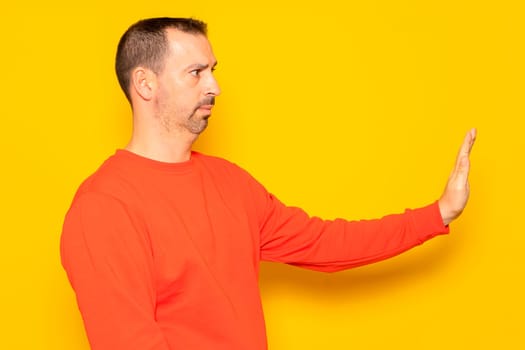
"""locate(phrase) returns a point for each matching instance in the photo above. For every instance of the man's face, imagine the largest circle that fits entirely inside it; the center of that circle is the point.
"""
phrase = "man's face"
(187, 87)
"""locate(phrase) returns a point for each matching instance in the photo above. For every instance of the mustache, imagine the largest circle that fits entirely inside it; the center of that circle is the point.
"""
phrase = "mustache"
(208, 101)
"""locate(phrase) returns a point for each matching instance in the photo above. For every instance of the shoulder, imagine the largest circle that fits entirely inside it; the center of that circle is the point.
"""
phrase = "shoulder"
(107, 191)
(230, 175)
(112, 179)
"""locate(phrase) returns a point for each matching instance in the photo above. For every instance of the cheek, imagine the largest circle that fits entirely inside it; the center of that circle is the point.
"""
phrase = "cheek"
(181, 93)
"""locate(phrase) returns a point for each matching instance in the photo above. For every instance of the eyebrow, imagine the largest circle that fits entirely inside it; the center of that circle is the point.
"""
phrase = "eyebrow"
(200, 66)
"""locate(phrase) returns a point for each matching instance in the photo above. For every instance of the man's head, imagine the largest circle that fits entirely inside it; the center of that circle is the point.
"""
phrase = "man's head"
(146, 44)
(165, 67)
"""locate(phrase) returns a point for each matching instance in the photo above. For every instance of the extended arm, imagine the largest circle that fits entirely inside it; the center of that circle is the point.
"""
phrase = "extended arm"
(289, 235)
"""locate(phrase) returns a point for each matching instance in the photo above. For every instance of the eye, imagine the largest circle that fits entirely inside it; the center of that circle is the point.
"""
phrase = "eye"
(195, 72)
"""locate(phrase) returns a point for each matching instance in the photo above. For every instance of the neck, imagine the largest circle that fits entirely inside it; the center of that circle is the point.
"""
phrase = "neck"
(165, 154)
(173, 147)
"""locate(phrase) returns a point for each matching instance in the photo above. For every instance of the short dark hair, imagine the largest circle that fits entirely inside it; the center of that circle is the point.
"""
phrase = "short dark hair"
(145, 43)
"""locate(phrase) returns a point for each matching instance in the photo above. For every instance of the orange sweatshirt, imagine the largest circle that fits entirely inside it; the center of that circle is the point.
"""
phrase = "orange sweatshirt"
(166, 256)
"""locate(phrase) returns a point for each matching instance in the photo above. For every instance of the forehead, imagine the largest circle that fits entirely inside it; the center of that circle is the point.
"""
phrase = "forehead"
(189, 48)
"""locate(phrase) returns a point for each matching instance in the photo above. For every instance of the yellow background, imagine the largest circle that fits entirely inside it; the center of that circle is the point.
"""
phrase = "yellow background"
(345, 108)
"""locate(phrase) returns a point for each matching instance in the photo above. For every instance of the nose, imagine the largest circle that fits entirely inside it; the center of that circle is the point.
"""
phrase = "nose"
(213, 88)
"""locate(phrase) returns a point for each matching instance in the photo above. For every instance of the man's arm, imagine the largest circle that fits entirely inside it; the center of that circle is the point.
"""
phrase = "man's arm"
(289, 235)
(454, 198)
(110, 267)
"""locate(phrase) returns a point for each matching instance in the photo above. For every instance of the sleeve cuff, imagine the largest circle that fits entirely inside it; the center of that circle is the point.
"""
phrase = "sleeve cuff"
(428, 221)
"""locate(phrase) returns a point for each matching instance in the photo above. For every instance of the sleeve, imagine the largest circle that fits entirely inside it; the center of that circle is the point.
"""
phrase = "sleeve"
(109, 264)
(290, 236)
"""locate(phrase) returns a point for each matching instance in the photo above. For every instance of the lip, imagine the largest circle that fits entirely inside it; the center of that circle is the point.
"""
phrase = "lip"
(208, 107)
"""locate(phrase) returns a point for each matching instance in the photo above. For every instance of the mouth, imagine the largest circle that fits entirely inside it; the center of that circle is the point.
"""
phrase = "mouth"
(207, 103)
(207, 107)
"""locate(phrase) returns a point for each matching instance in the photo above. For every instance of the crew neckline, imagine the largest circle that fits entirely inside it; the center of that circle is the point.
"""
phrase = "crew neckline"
(144, 162)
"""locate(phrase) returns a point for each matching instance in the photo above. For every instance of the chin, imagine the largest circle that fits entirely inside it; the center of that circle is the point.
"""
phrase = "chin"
(198, 129)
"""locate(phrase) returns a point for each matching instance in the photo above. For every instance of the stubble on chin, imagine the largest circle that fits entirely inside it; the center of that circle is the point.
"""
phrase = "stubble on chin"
(197, 124)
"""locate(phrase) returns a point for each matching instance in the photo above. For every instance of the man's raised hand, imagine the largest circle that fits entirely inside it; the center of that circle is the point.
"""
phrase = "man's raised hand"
(455, 197)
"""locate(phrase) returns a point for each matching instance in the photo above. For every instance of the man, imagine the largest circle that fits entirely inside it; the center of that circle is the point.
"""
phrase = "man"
(162, 244)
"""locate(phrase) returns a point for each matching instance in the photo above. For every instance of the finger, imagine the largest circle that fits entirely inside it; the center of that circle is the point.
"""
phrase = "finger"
(462, 171)
(462, 167)
(468, 142)
(466, 147)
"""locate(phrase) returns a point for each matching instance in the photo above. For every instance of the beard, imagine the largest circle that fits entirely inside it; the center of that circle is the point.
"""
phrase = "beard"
(196, 121)
(196, 124)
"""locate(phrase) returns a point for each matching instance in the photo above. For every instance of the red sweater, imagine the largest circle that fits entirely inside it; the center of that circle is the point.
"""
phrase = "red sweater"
(166, 256)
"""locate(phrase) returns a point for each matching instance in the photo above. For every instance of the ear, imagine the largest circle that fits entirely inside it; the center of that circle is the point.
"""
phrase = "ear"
(143, 82)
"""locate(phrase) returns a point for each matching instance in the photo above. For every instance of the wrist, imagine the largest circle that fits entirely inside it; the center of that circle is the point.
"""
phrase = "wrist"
(447, 213)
